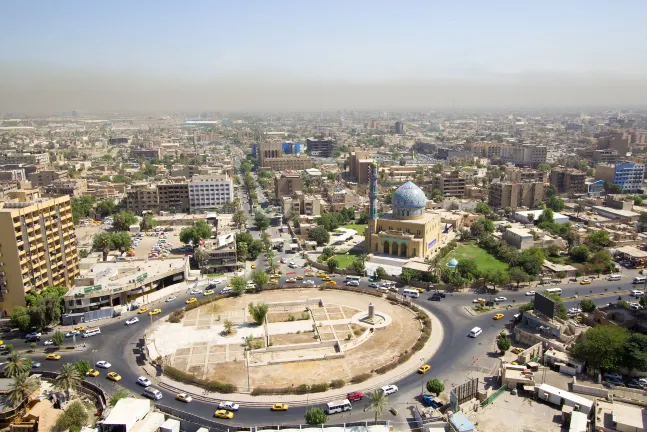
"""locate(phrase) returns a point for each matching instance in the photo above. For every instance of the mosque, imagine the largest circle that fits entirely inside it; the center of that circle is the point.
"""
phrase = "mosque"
(408, 231)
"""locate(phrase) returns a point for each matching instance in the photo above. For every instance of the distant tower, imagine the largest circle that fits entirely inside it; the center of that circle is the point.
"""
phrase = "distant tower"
(372, 193)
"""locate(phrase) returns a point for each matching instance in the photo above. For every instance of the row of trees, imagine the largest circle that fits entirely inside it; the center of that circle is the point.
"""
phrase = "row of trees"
(610, 347)
(43, 309)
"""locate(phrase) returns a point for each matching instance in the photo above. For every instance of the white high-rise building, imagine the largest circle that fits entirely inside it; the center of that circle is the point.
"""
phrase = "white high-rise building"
(208, 192)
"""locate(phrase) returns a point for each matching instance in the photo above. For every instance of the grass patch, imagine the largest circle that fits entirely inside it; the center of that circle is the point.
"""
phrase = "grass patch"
(346, 260)
(484, 261)
(357, 227)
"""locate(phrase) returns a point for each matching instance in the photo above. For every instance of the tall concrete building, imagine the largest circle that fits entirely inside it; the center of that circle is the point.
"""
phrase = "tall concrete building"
(286, 183)
(209, 192)
(515, 174)
(321, 147)
(451, 184)
(614, 140)
(38, 246)
(271, 155)
(46, 177)
(629, 176)
(513, 195)
(142, 197)
(359, 162)
(568, 180)
(24, 158)
(173, 197)
(399, 127)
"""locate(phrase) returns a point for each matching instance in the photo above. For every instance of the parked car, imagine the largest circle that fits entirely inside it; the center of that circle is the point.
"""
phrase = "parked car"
(373, 285)
(500, 299)
(355, 396)
(389, 389)
(530, 293)
(435, 297)
(132, 320)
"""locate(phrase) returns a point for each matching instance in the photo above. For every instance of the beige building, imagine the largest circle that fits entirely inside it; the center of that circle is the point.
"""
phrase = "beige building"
(303, 204)
(359, 162)
(72, 187)
(286, 183)
(515, 174)
(513, 195)
(142, 197)
(173, 197)
(568, 180)
(46, 177)
(408, 230)
(450, 184)
(293, 162)
(38, 246)
(343, 198)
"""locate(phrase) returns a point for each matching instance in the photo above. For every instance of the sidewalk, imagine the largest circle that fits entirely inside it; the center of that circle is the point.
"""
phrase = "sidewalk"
(246, 399)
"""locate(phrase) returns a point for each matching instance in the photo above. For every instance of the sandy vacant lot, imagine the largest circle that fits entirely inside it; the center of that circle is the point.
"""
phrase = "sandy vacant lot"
(382, 347)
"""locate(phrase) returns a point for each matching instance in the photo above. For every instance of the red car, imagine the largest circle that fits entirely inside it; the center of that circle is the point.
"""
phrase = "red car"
(355, 396)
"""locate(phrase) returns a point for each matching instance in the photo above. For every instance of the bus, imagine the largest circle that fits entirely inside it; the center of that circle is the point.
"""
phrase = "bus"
(410, 293)
(339, 406)
(91, 332)
(557, 291)
(353, 278)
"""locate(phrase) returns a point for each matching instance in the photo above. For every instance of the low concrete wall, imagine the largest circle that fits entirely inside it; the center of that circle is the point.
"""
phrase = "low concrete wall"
(293, 347)
(301, 359)
(588, 390)
(297, 302)
(354, 343)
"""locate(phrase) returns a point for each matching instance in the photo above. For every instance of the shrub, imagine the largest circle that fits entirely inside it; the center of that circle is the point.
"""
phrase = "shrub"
(185, 377)
(360, 378)
(318, 388)
(290, 318)
(176, 316)
(73, 418)
(302, 389)
(338, 383)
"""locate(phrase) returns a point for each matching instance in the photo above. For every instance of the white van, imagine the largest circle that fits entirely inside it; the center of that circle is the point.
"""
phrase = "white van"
(91, 332)
(475, 332)
(153, 393)
(639, 279)
(410, 293)
(613, 277)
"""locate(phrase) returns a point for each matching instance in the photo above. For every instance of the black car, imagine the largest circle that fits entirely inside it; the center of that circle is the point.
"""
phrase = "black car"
(440, 294)
(435, 297)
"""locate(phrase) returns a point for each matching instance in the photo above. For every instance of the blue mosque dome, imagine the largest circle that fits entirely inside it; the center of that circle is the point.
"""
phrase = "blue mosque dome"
(409, 196)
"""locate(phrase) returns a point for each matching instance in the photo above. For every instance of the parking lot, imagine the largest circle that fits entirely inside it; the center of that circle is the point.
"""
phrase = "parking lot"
(150, 239)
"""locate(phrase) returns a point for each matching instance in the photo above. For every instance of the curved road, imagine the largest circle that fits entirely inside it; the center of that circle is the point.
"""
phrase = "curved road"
(458, 355)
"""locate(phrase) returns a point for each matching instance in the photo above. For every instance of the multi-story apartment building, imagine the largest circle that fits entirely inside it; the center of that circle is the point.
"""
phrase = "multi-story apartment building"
(568, 180)
(209, 192)
(74, 188)
(13, 175)
(629, 176)
(399, 127)
(146, 154)
(173, 197)
(46, 177)
(321, 147)
(24, 158)
(359, 162)
(286, 183)
(450, 184)
(37, 246)
(289, 163)
(614, 140)
(513, 195)
(527, 154)
(340, 198)
(142, 197)
(305, 204)
(608, 156)
(514, 174)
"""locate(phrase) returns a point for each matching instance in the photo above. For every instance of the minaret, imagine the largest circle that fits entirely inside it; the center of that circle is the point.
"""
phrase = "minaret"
(372, 193)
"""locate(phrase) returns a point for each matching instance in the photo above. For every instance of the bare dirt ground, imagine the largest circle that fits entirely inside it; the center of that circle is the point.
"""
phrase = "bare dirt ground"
(229, 366)
(285, 316)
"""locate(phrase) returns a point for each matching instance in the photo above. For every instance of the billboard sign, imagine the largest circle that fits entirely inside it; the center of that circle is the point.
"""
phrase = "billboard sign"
(431, 243)
(545, 305)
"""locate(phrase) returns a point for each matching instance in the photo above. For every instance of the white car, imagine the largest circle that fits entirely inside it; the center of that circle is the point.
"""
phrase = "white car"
(227, 290)
(215, 281)
(143, 381)
(132, 320)
(500, 299)
(575, 310)
(292, 265)
(637, 293)
(195, 291)
(170, 299)
(48, 342)
(310, 282)
(229, 406)
(103, 364)
(389, 389)
(530, 293)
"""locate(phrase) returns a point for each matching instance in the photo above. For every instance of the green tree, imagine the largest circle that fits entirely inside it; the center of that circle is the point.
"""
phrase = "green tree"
(261, 220)
(483, 208)
(598, 240)
(377, 402)
(503, 342)
(242, 251)
(81, 207)
(58, 338)
(332, 264)
(532, 260)
(20, 318)
(315, 416)
(229, 326)
(200, 256)
(518, 275)
(260, 278)
(435, 386)
(580, 253)
(358, 266)
(201, 230)
(546, 216)
(106, 207)
(602, 346)
(555, 203)
(16, 364)
(498, 278)
(37, 316)
(635, 352)
(468, 269)
(68, 378)
(148, 222)
(239, 218)
(587, 305)
(123, 220)
(21, 388)
(258, 312)
(543, 167)
(266, 239)
(380, 272)
(82, 366)
(319, 235)
(73, 419)
(102, 242)
(120, 240)
(238, 284)
(118, 395)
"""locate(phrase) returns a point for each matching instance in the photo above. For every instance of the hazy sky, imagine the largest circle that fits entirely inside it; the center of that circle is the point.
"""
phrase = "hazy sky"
(273, 54)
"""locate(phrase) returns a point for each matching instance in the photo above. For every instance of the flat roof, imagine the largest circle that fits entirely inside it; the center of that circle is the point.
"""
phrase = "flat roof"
(630, 416)
(566, 395)
(618, 212)
(633, 251)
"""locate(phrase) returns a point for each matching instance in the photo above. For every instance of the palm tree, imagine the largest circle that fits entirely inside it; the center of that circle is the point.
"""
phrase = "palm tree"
(68, 378)
(362, 258)
(21, 388)
(578, 209)
(103, 242)
(200, 256)
(16, 364)
(377, 402)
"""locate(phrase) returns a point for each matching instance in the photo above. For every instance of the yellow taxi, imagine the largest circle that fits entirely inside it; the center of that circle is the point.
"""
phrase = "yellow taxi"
(424, 368)
(53, 357)
(92, 373)
(142, 310)
(273, 283)
(113, 376)
(1, 342)
(420, 290)
(497, 316)
(191, 300)
(585, 281)
(331, 283)
(155, 312)
(326, 279)
(79, 328)
(279, 407)
(299, 277)
(292, 280)
(183, 397)
(516, 350)
(224, 414)
(276, 276)
(253, 266)
(309, 274)
(322, 275)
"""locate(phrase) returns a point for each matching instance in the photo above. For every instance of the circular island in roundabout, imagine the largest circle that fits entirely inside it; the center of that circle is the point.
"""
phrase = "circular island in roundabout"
(293, 341)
